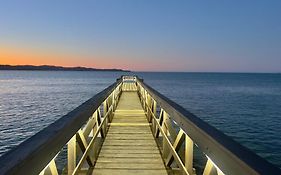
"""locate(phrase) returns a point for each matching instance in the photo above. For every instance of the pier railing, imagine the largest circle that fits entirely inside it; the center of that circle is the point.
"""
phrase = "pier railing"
(177, 131)
(73, 141)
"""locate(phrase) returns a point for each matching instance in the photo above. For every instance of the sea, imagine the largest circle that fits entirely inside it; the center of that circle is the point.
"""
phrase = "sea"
(245, 106)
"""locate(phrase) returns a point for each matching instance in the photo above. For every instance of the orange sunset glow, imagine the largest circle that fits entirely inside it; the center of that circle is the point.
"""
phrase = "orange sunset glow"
(28, 56)
(20, 56)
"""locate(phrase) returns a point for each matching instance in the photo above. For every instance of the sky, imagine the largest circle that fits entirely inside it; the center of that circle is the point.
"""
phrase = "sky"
(143, 35)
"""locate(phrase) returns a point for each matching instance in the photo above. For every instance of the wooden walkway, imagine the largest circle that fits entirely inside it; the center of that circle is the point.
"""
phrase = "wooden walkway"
(129, 147)
(109, 135)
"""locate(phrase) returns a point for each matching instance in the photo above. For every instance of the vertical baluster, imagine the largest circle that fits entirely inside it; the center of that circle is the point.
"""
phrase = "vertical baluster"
(138, 87)
(154, 107)
(210, 169)
(113, 100)
(108, 101)
(145, 104)
(144, 101)
(71, 155)
(149, 107)
(104, 107)
(51, 169)
(219, 172)
(165, 144)
(143, 98)
(145, 95)
(95, 149)
(95, 122)
(153, 123)
(188, 154)
(106, 123)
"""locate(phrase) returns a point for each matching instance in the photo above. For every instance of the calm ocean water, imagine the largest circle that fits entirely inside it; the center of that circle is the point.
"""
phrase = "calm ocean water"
(246, 107)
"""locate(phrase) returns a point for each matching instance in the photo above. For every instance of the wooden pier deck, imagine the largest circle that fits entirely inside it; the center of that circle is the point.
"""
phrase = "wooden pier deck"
(129, 147)
(130, 128)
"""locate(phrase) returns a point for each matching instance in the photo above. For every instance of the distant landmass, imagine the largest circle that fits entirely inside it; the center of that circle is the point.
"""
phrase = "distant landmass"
(54, 68)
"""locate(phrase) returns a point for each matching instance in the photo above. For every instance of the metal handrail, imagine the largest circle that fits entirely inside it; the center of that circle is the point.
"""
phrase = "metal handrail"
(37, 152)
(225, 153)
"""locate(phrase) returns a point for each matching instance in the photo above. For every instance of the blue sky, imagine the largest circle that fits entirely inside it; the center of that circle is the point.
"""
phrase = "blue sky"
(149, 35)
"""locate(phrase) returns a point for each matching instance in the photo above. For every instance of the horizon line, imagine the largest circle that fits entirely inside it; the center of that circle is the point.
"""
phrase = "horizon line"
(145, 71)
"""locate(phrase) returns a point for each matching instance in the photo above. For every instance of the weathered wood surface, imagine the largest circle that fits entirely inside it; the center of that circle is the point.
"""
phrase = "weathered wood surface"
(129, 147)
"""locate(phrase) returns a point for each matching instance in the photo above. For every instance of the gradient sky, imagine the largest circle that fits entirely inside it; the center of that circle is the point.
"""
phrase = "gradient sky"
(146, 35)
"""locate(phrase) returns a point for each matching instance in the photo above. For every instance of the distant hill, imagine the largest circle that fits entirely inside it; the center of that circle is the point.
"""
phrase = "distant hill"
(54, 68)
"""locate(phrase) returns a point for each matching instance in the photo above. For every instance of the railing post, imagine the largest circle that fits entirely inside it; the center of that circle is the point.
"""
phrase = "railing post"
(51, 169)
(154, 107)
(210, 169)
(113, 99)
(95, 119)
(71, 155)
(143, 98)
(148, 102)
(105, 110)
(165, 144)
(188, 154)
(104, 107)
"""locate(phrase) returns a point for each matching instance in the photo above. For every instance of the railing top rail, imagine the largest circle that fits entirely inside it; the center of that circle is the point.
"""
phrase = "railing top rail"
(36, 152)
(229, 155)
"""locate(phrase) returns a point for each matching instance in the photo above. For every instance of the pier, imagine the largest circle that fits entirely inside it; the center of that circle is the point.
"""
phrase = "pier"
(130, 128)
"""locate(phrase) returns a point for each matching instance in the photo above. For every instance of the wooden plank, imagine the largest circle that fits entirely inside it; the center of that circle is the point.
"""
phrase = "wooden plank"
(129, 160)
(130, 112)
(128, 128)
(143, 166)
(130, 120)
(131, 138)
(130, 124)
(133, 155)
(133, 128)
(128, 147)
(129, 143)
(140, 151)
(137, 109)
(130, 132)
(126, 136)
(127, 171)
